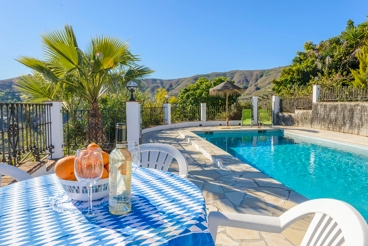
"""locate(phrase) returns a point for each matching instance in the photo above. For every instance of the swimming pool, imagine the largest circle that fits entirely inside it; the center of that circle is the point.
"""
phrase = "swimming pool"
(310, 167)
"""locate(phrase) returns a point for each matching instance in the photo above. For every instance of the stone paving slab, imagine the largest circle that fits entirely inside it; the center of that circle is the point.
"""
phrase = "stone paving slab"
(233, 187)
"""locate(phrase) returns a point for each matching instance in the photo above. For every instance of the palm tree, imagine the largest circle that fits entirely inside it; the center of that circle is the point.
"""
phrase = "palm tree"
(68, 73)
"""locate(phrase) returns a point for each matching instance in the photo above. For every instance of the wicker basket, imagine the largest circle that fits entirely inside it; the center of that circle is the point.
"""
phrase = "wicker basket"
(78, 191)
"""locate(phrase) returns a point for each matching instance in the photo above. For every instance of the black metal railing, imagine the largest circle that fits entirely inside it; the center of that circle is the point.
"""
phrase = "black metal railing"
(219, 112)
(152, 116)
(75, 126)
(185, 113)
(343, 94)
(291, 104)
(216, 113)
(25, 131)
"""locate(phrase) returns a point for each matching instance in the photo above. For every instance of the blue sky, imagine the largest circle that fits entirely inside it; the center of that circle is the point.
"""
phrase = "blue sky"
(179, 38)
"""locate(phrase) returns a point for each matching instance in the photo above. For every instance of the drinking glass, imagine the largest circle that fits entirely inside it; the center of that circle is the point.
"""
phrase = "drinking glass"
(133, 147)
(88, 168)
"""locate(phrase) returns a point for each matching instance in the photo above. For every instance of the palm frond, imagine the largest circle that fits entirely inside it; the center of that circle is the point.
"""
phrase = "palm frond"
(137, 73)
(38, 66)
(61, 47)
(109, 51)
(35, 88)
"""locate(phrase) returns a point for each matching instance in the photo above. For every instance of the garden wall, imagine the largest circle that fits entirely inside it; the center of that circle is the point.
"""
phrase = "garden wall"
(337, 116)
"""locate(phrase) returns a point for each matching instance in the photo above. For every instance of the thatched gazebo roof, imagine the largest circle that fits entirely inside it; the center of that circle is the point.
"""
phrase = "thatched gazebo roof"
(226, 87)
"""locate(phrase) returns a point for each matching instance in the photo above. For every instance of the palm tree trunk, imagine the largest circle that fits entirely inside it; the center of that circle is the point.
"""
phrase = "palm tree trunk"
(95, 129)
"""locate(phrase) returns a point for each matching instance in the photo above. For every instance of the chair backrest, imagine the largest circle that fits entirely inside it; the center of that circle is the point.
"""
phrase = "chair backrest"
(247, 113)
(263, 112)
(264, 115)
(246, 117)
(334, 223)
(14, 172)
(159, 156)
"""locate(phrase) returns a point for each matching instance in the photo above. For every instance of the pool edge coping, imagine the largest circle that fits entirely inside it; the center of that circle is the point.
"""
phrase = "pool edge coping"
(328, 140)
(229, 161)
(216, 154)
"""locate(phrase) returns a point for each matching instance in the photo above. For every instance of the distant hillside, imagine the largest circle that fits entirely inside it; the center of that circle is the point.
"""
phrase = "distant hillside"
(7, 92)
(7, 84)
(255, 82)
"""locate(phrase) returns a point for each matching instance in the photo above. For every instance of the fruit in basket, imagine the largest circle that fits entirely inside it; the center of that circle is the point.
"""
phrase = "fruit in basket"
(107, 167)
(93, 145)
(64, 168)
(105, 155)
(105, 174)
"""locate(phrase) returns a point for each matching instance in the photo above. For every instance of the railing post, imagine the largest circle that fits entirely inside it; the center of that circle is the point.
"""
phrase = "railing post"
(167, 113)
(203, 112)
(316, 93)
(133, 121)
(275, 108)
(57, 136)
(255, 110)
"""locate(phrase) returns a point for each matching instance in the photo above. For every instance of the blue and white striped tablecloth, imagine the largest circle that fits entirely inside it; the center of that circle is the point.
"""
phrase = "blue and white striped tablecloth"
(167, 210)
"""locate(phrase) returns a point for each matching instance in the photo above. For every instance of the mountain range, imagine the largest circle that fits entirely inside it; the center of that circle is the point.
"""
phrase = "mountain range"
(255, 82)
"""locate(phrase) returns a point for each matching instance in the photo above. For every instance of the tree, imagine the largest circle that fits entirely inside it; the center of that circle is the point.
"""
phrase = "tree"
(160, 97)
(199, 92)
(70, 73)
(9, 96)
(173, 100)
(361, 75)
(328, 63)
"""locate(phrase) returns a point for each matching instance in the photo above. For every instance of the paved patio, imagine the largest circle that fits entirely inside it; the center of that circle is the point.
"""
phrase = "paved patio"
(240, 188)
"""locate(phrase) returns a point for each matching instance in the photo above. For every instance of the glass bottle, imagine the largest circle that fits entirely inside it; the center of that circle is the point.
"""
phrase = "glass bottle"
(120, 175)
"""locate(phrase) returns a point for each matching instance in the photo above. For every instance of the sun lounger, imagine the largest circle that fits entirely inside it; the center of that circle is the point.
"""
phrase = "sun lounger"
(246, 117)
(264, 117)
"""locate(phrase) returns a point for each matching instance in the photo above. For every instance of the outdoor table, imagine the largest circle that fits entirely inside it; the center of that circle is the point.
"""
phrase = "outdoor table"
(166, 210)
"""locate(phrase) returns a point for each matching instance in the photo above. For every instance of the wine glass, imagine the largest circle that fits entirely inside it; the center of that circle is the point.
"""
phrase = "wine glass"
(88, 169)
(133, 147)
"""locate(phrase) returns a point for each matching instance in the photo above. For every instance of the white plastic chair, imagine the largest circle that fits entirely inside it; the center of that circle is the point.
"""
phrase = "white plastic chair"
(159, 156)
(14, 172)
(335, 222)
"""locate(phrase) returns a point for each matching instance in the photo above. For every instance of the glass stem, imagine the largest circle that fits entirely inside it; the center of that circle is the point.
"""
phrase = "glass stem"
(90, 199)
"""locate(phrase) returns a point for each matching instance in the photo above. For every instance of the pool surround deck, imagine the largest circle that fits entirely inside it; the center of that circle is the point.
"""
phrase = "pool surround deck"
(238, 187)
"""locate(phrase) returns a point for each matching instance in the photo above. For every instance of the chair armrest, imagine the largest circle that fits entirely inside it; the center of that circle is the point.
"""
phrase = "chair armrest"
(14, 172)
(245, 221)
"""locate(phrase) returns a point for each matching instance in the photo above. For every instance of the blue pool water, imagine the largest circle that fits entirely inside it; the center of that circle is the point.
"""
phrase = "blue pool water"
(315, 169)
